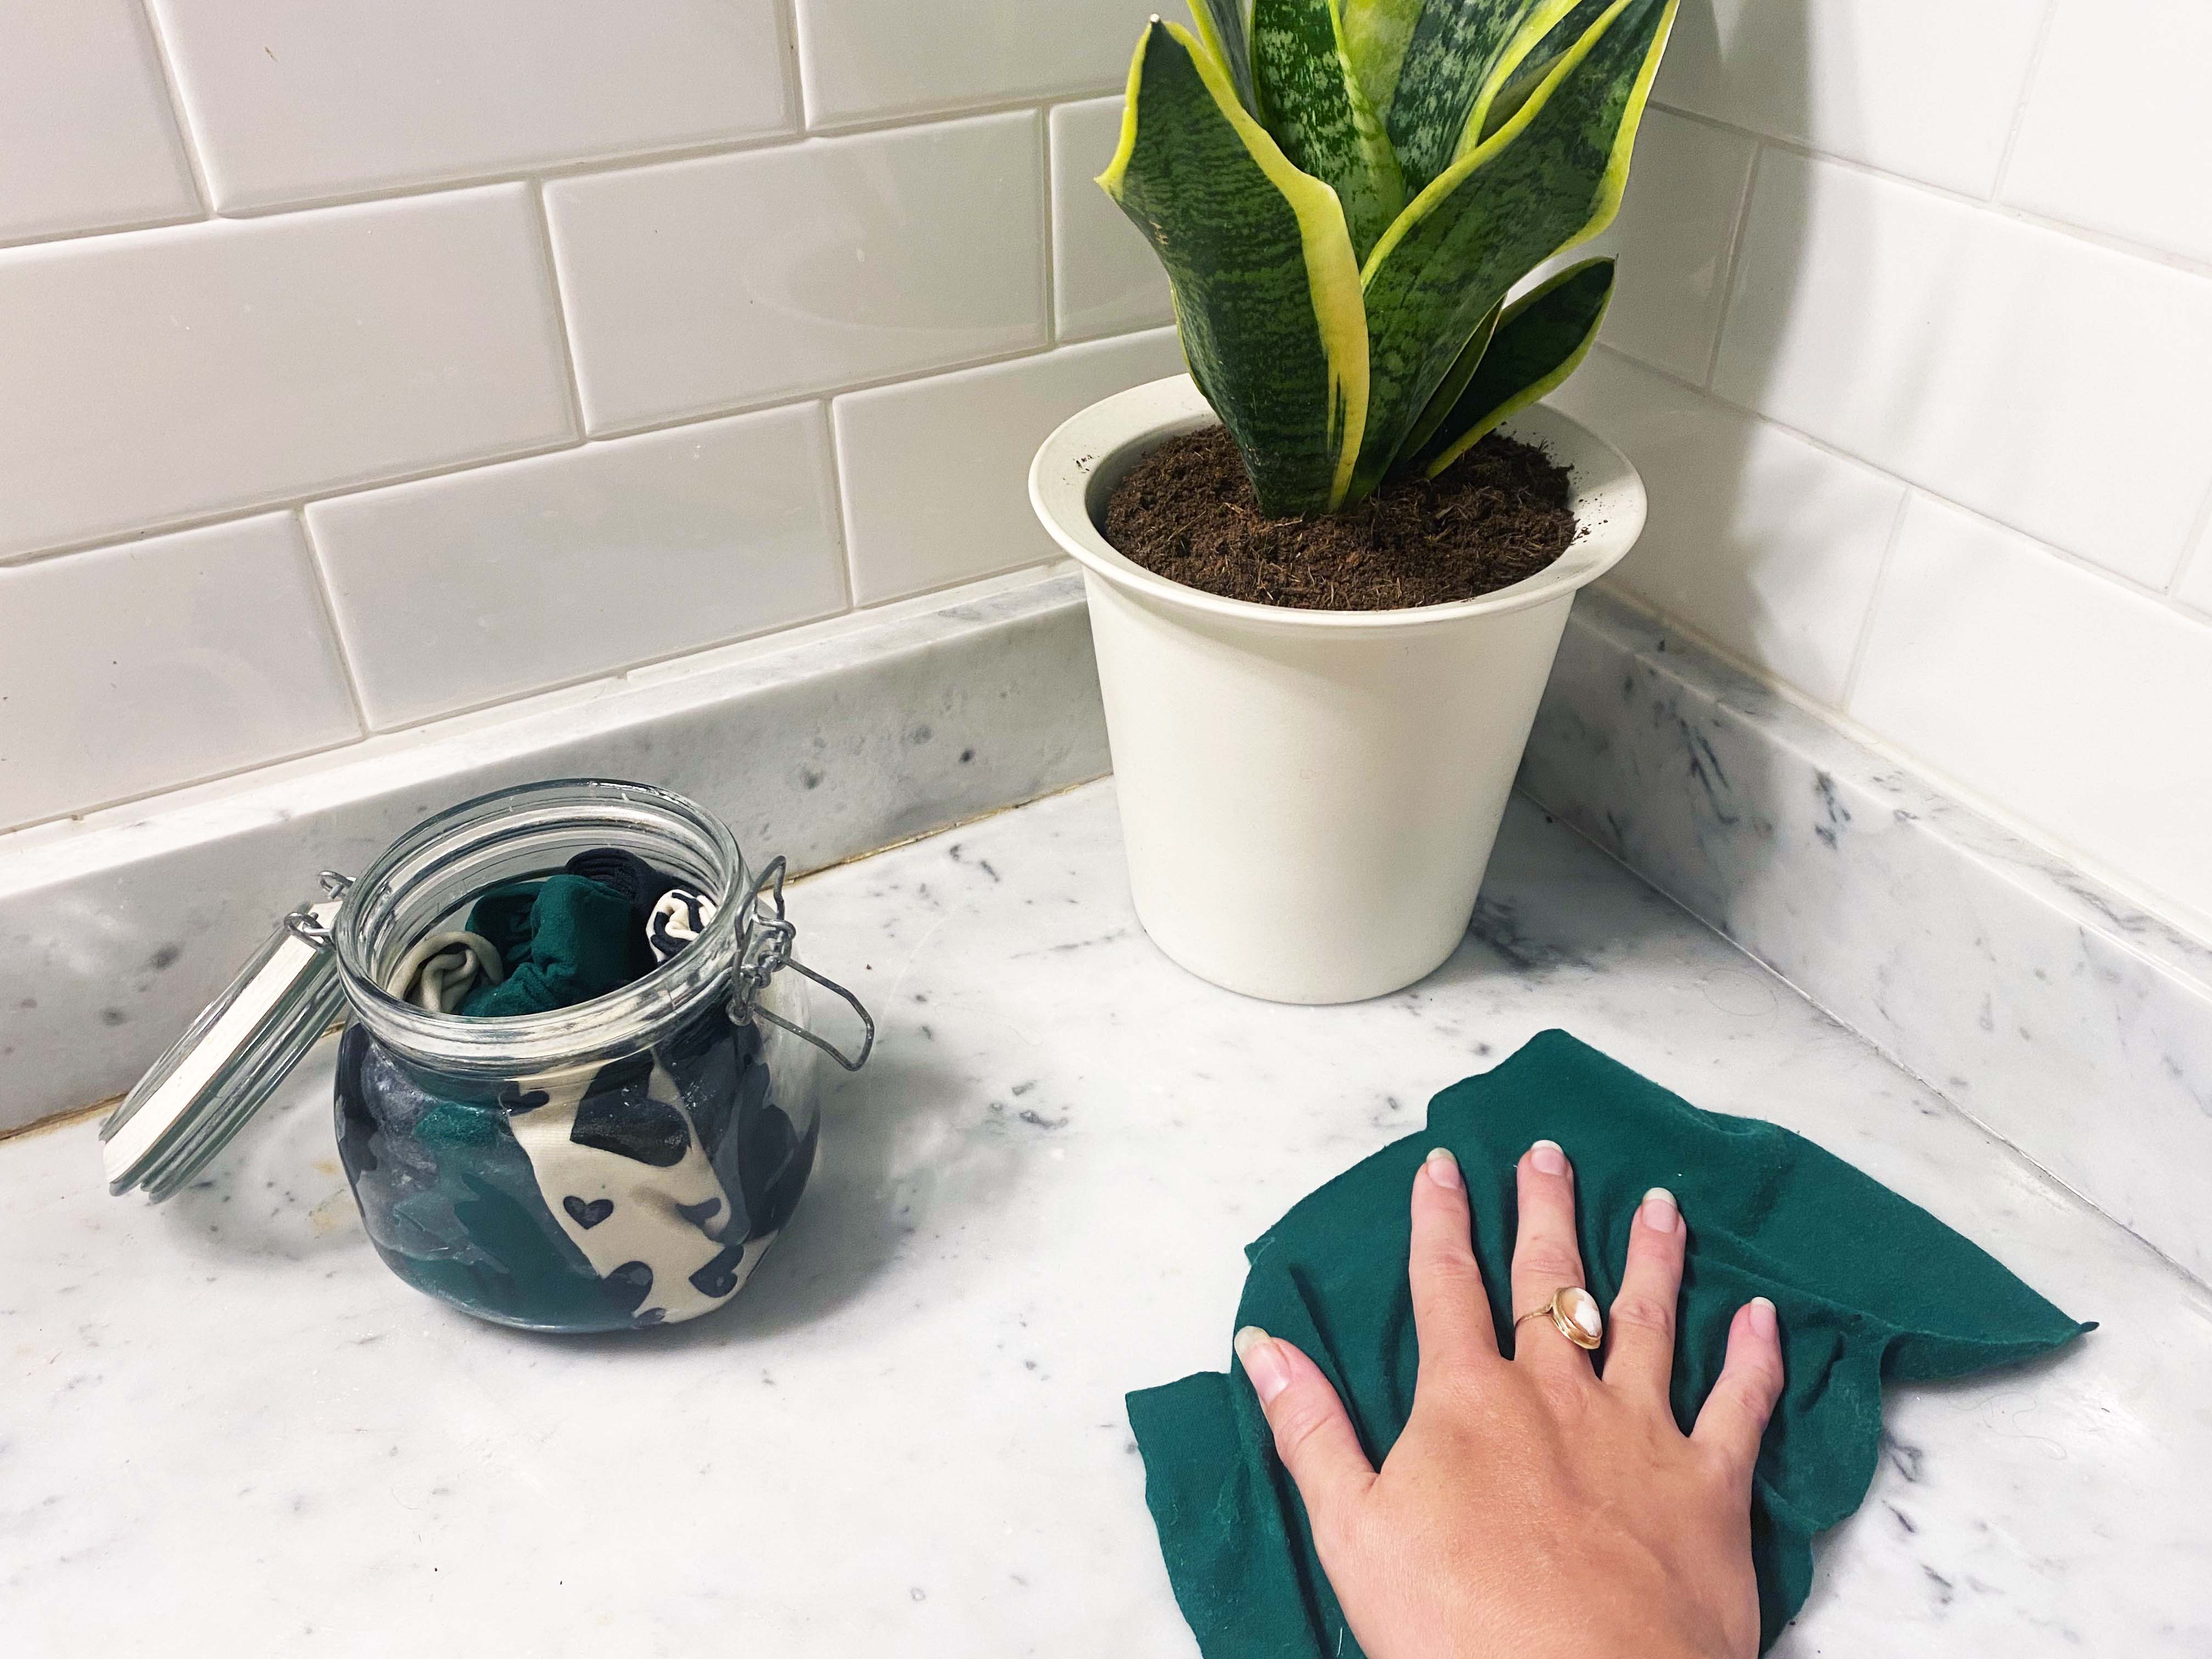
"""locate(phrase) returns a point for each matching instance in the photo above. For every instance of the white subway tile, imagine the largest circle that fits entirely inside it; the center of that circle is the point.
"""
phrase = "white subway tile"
(291, 101)
(463, 589)
(936, 471)
(86, 138)
(1762, 542)
(700, 285)
(2066, 698)
(2055, 385)
(135, 668)
(1927, 90)
(1105, 277)
(2114, 136)
(1671, 238)
(863, 58)
(163, 374)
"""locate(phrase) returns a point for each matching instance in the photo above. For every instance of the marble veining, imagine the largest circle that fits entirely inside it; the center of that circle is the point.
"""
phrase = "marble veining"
(115, 929)
(2075, 1025)
(224, 1420)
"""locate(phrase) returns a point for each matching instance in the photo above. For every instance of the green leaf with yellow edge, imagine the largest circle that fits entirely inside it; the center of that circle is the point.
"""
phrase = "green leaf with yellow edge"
(1225, 26)
(1534, 65)
(1267, 290)
(1446, 396)
(1309, 100)
(1548, 179)
(1376, 35)
(1541, 338)
(1458, 54)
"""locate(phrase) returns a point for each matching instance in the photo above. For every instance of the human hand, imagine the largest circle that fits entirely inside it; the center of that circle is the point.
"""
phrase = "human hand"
(1533, 1507)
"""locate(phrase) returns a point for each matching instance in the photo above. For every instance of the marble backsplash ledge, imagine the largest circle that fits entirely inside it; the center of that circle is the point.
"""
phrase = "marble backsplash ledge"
(117, 928)
(2063, 1017)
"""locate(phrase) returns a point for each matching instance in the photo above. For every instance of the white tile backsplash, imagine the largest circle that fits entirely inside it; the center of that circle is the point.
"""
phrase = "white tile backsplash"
(86, 139)
(1764, 544)
(936, 471)
(706, 284)
(1926, 90)
(827, 269)
(162, 375)
(2058, 693)
(2057, 385)
(1672, 242)
(865, 59)
(293, 100)
(2114, 136)
(160, 662)
(1105, 278)
(494, 582)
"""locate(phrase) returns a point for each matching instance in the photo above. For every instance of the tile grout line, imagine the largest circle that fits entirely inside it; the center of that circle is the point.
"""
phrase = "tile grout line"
(1850, 685)
(848, 574)
(564, 330)
(2161, 597)
(795, 70)
(2042, 32)
(1049, 216)
(328, 598)
(1739, 229)
(172, 86)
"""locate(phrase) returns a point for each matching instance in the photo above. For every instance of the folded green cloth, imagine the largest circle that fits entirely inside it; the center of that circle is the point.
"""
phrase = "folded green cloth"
(1867, 1285)
(565, 939)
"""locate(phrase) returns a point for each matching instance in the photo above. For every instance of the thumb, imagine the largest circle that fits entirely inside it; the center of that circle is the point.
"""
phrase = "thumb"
(1313, 1436)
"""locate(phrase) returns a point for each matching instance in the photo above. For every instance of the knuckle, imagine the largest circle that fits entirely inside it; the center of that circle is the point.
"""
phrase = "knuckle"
(1548, 1258)
(1638, 1310)
(1296, 1422)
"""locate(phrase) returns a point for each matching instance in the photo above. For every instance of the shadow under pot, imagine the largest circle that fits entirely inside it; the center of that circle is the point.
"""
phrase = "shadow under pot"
(620, 1162)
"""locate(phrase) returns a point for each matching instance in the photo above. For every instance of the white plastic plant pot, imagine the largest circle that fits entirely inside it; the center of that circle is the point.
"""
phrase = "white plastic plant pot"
(1309, 798)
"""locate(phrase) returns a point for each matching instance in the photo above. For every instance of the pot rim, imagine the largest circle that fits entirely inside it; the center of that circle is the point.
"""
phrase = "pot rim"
(1076, 466)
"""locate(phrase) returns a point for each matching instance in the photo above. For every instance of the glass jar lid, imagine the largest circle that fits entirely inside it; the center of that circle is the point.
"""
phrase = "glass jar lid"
(228, 1061)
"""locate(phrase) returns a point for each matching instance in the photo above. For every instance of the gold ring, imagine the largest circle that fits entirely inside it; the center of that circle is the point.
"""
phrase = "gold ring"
(1573, 1312)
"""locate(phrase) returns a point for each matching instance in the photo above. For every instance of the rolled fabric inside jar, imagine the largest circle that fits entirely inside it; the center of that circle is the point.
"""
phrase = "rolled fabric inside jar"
(441, 968)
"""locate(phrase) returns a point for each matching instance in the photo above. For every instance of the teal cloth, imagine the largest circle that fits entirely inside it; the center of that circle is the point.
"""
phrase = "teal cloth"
(564, 940)
(1868, 1286)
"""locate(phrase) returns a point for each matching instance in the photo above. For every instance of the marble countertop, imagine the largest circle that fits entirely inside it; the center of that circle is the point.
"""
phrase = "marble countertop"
(225, 1426)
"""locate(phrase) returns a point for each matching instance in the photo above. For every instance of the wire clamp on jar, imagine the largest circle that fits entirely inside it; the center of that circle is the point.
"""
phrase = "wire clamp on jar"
(766, 934)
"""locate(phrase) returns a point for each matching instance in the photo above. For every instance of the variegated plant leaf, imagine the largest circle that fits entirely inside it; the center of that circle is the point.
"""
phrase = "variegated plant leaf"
(1459, 52)
(1376, 35)
(1541, 338)
(1309, 100)
(1225, 26)
(1548, 179)
(1528, 70)
(1266, 291)
(1441, 403)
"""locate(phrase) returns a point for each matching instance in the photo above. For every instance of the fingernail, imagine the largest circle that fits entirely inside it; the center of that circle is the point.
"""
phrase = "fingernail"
(1762, 1316)
(1443, 1169)
(1658, 1211)
(1549, 1157)
(1263, 1363)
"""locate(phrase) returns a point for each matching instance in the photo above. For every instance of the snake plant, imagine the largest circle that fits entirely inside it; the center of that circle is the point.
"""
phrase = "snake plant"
(1345, 193)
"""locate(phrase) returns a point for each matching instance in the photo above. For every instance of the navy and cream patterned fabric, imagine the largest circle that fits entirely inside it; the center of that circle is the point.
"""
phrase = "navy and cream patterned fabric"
(628, 1193)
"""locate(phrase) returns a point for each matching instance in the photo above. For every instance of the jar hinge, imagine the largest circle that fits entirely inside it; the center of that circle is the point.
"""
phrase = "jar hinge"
(301, 923)
(768, 935)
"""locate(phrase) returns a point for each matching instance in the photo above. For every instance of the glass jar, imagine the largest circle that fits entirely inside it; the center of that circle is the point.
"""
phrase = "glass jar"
(620, 1162)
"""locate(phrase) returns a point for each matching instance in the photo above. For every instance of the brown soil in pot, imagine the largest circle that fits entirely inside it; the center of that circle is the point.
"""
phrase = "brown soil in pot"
(1497, 515)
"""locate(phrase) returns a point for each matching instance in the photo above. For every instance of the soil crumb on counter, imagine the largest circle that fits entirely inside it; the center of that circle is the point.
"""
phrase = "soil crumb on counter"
(1497, 515)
